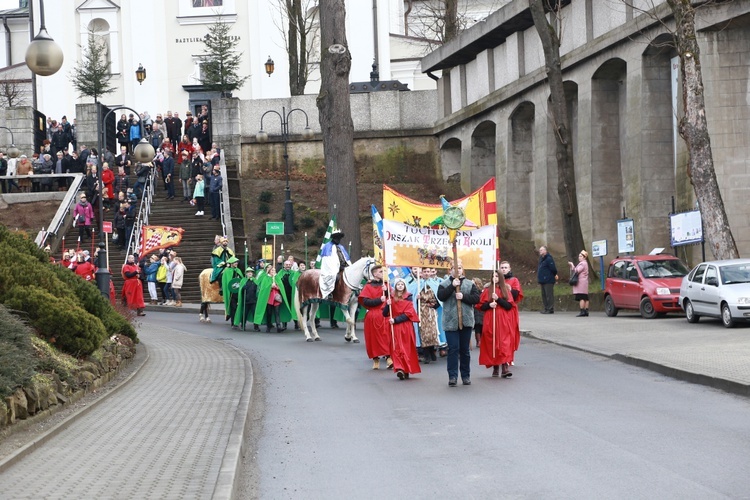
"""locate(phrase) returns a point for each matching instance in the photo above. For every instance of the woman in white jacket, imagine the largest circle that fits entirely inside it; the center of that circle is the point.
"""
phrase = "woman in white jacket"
(178, 273)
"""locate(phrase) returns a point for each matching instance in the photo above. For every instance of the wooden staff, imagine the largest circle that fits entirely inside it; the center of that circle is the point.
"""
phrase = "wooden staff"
(458, 288)
(390, 308)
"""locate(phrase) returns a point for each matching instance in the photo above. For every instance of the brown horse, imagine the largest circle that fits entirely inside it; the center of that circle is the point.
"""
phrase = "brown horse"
(209, 293)
(348, 285)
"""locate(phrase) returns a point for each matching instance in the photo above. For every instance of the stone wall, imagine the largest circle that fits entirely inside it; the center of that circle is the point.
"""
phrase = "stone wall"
(619, 73)
(20, 120)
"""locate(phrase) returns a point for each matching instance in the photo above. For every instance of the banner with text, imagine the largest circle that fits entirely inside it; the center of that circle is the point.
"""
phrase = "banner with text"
(407, 245)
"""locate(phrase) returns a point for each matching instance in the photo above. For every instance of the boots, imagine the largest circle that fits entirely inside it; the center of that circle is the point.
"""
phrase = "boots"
(496, 371)
(582, 313)
(433, 356)
(427, 355)
(586, 311)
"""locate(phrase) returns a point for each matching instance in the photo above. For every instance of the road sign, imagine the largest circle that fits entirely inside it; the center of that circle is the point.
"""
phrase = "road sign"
(274, 228)
(599, 248)
(107, 227)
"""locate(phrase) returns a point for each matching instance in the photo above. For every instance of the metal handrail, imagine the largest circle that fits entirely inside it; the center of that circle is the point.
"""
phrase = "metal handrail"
(141, 219)
(63, 215)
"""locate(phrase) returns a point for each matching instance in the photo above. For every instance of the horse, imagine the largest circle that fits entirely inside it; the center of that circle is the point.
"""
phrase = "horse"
(348, 286)
(209, 293)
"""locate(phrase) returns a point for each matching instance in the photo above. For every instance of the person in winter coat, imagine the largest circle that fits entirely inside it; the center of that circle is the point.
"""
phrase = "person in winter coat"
(120, 225)
(546, 275)
(151, 268)
(199, 194)
(134, 133)
(581, 289)
(184, 168)
(215, 193)
(83, 215)
(178, 275)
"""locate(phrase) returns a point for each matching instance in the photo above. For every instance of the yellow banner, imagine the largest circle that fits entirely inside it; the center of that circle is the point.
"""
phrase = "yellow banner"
(267, 252)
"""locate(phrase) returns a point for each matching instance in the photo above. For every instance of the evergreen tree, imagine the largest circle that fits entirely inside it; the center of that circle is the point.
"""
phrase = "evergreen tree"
(91, 76)
(220, 66)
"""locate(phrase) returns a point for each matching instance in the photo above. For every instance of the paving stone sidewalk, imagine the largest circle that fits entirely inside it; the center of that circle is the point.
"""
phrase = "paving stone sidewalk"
(704, 353)
(174, 431)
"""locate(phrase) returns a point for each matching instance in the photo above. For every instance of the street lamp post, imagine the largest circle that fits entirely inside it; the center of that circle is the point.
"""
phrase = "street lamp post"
(12, 151)
(262, 137)
(144, 152)
(43, 56)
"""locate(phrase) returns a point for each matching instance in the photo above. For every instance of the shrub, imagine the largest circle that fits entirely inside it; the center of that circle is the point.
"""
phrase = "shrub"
(307, 222)
(321, 232)
(59, 319)
(16, 365)
(266, 196)
(263, 208)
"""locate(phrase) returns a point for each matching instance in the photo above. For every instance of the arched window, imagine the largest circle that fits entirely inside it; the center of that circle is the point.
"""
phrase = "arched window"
(99, 29)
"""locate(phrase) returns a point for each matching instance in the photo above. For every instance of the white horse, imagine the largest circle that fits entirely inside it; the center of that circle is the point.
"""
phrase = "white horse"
(348, 285)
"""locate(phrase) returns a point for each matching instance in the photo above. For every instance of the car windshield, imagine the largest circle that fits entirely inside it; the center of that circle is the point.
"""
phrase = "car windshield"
(672, 268)
(738, 273)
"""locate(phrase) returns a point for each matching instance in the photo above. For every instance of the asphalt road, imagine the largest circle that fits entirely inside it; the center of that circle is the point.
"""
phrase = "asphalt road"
(567, 425)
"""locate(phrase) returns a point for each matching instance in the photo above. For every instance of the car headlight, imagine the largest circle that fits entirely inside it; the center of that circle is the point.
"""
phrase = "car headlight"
(743, 300)
(662, 291)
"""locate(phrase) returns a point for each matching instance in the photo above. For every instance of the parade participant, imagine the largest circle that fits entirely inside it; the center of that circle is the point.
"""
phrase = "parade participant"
(132, 289)
(84, 268)
(219, 257)
(428, 323)
(334, 258)
(247, 299)
(432, 280)
(268, 308)
(517, 292)
(288, 279)
(230, 280)
(458, 336)
(414, 285)
(498, 333)
(108, 179)
(377, 340)
(400, 317)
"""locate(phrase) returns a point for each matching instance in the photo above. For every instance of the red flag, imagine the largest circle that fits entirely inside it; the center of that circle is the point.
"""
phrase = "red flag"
(158, 237)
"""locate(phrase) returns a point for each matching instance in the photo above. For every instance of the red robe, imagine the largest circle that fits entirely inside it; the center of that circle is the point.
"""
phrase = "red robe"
(497, 349)
(108, 178)
(85, 270)
(516, 285)
(132, 289)
(404, 352)
(377, 341)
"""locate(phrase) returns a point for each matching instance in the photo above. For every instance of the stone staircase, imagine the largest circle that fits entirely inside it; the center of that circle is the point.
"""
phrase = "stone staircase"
(197, 240)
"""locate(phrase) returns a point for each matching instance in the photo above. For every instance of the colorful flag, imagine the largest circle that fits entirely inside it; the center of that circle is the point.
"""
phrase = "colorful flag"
(480, 208)
(158, 237)
(377, 244)
(326, 239)
(407, 245)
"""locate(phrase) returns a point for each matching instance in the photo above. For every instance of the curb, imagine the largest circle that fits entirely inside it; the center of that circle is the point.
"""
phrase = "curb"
(721, 384)
(227, 484)
(46, 436)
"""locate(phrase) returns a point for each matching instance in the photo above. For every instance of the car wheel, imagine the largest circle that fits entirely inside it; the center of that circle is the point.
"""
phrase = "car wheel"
(609, 307)
(647, 308)
(690, 312)
(726, 316)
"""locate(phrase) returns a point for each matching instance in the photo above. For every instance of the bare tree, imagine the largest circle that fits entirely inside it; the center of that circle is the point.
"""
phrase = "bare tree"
(549, 34)
(297, 24)
(440, 21)
(693, 128)
(14, 91)
(335, 117)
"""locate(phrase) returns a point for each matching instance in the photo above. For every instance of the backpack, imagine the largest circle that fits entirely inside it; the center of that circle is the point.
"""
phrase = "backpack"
(161, 274)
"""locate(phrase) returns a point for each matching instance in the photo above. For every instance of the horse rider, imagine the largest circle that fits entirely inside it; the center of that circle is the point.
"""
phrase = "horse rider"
(334, 258)
(219, 257)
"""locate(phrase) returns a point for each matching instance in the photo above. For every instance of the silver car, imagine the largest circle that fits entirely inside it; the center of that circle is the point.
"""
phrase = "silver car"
(719, 289)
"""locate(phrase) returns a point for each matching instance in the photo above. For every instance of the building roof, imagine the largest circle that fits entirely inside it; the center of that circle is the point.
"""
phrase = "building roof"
(20, 12)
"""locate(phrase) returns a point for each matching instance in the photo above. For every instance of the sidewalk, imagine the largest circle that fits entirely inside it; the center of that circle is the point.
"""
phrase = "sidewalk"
(705, 353)
(175, 430)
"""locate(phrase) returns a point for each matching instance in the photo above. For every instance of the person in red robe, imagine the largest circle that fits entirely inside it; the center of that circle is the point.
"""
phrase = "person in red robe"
(377, 339)
(517, 292)
(498, 333)
(132, 289)
(84, 268)
(400, 318)
(108, 178)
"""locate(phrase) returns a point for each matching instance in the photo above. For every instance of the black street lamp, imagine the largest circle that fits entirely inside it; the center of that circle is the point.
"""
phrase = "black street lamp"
(143, 153)
(262, 137)
(140, 74)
